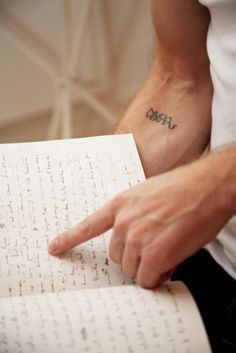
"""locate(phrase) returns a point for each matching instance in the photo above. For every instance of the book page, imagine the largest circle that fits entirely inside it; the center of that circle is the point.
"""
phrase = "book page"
(47, 187)
(113, 319)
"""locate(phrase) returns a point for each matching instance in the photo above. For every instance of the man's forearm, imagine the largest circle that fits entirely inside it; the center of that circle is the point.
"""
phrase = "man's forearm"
(181, 30)
(171, 115)
(170, 119)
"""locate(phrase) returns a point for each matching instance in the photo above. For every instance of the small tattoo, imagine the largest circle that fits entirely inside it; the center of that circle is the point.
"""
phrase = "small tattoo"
(161, 118)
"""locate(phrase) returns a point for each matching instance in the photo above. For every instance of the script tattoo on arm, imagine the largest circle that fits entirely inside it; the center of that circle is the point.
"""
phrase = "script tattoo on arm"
(161, 118)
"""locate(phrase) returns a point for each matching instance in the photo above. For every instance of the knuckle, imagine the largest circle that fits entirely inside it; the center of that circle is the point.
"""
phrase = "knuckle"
(117, 201)
(133, 242)
(134, 239)
(121, 224)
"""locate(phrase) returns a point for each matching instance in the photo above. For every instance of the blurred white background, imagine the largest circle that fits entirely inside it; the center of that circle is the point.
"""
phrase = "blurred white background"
(69, 68)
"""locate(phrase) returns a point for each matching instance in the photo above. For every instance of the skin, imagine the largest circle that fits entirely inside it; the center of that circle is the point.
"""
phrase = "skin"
(163, 220)
(179, 85)
(167, 218)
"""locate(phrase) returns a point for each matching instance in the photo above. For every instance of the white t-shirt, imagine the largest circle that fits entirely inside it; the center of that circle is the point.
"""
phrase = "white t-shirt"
(221, 46)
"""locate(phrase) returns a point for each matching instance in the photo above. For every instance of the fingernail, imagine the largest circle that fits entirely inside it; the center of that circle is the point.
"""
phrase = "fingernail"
(53, 246)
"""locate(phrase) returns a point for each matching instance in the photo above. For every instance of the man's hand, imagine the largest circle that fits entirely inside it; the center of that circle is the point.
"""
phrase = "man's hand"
(163, 220)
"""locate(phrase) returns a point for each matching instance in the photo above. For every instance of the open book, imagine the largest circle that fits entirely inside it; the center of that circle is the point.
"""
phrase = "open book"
(80, 302)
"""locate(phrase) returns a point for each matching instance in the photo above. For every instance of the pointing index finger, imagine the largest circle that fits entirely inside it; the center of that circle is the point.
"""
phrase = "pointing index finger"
(92, 226)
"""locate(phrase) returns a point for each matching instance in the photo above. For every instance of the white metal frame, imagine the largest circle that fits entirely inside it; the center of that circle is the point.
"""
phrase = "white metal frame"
(63, 71)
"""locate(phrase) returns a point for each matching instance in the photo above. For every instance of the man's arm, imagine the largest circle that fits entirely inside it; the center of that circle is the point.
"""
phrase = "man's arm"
(171, 115)
(164, 220)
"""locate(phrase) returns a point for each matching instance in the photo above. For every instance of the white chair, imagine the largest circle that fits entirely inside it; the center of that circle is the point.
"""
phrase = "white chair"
(65, 69)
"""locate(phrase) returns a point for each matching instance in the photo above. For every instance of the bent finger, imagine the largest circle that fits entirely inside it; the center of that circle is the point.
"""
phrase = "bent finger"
(116, 249)
(130, 260)
(150, 277)
(133, 246)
